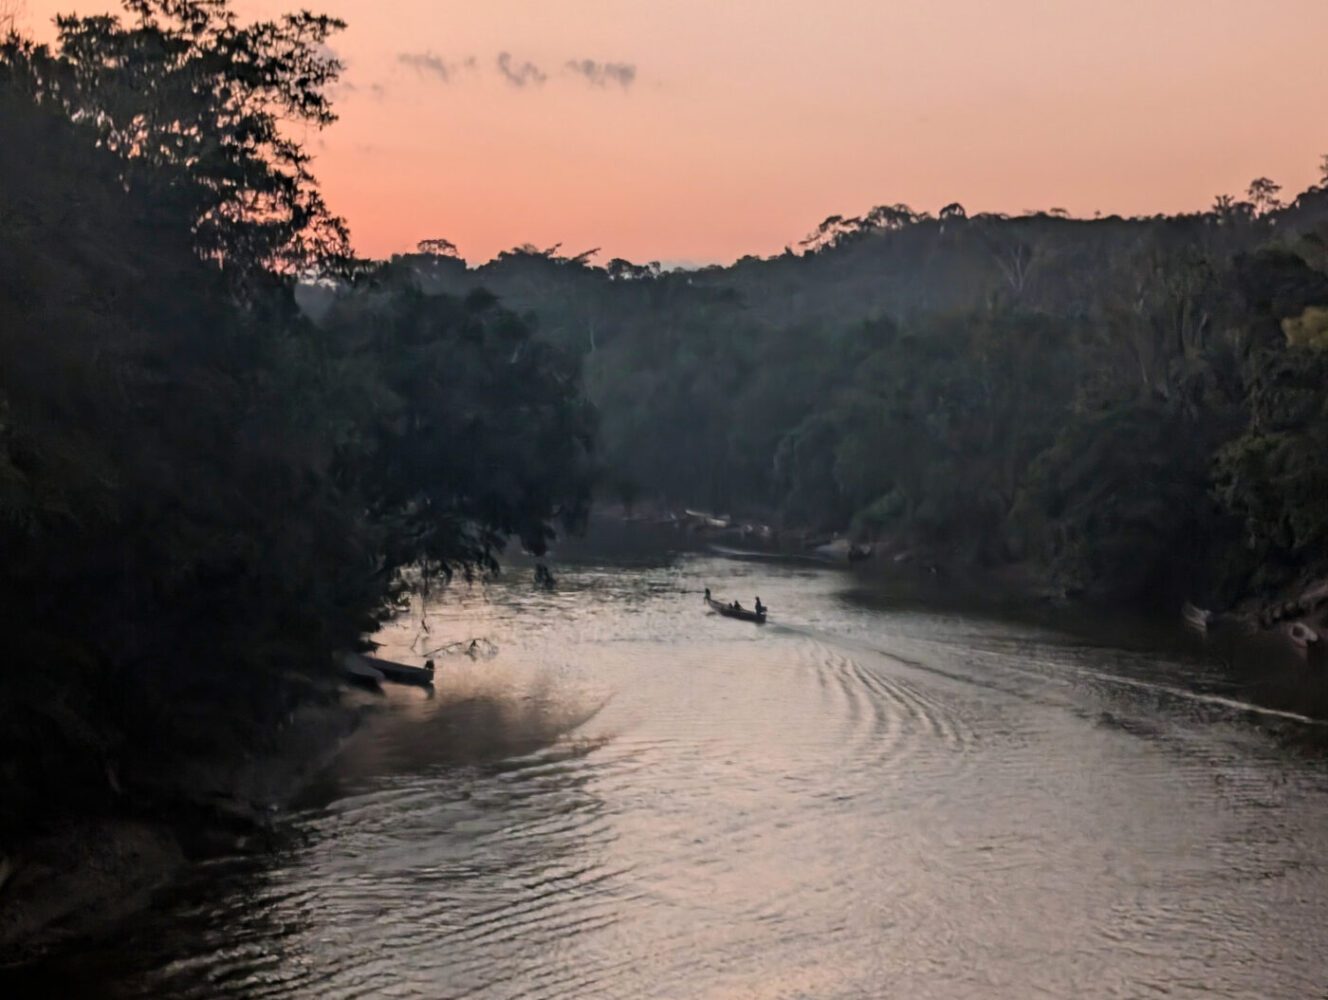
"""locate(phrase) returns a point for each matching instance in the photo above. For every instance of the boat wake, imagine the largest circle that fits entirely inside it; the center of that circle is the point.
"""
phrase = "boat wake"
(1060, 673)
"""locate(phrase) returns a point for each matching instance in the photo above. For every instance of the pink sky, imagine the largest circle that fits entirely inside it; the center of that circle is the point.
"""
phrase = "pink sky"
(748, 121)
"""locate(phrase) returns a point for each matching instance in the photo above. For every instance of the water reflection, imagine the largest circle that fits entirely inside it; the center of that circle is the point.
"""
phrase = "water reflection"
(863, 798)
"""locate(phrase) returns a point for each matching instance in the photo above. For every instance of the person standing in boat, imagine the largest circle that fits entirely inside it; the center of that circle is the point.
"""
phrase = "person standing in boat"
(760, 608)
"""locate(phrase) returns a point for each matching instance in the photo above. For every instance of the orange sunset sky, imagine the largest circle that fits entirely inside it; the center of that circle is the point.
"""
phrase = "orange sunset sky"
(694, 131)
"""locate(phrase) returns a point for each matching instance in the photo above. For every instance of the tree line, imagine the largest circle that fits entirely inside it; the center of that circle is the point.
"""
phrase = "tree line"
(1128, 407)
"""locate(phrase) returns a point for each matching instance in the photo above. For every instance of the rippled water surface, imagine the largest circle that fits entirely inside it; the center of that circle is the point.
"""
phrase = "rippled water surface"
(635, 798)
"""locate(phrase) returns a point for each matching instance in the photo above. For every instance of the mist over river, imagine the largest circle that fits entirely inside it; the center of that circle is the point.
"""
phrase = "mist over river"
(862, 798)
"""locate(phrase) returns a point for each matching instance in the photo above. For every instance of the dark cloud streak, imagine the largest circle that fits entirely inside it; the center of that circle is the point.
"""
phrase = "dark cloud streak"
(427, 62)
(601, 74)
(522, 75)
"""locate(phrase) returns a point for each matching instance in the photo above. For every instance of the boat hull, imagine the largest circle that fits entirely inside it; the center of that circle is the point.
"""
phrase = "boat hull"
(741, 614)
(362, 669)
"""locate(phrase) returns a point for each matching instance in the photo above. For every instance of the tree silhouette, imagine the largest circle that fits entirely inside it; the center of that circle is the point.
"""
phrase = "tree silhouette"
(11, 11)
(437, 247)
(1263, 196)
(191, 99)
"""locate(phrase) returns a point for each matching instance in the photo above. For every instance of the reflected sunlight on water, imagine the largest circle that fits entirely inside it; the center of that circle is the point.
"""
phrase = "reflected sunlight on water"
(634, 798)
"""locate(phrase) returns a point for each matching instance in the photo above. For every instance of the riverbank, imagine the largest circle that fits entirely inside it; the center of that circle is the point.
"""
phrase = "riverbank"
(1293, 621)
(80, 876)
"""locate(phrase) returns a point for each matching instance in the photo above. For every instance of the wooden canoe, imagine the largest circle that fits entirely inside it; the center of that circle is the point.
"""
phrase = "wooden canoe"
(729, 611)
(363, 668)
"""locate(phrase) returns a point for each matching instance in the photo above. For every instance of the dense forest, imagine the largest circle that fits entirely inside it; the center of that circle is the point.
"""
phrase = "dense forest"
(1132, 409)
(203, 497)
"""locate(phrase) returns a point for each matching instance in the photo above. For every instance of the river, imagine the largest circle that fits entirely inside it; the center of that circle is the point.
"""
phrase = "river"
(866, 797)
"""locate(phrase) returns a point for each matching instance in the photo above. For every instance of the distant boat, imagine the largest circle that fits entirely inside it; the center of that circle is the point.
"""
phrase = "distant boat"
(729, 611)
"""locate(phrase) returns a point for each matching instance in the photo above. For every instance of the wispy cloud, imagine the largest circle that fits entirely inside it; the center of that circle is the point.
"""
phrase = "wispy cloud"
(520, 75)
(345, 88)
(427, 62)
(601, 74)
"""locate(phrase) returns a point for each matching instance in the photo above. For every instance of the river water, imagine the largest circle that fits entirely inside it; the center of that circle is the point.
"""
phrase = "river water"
(863, 798)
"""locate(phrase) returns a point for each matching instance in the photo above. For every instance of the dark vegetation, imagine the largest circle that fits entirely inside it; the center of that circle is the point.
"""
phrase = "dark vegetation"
(1132, 409)
(202, 496)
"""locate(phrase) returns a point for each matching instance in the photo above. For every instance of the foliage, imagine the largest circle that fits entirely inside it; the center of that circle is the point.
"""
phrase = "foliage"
(193, 104)
(469, 428)
(1031, 388)
(202, 495)
(1309, 329)
(1117, 503)
(1273, 476)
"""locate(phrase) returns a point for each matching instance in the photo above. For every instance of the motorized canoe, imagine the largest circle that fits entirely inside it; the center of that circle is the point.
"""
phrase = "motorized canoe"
(729, 611)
